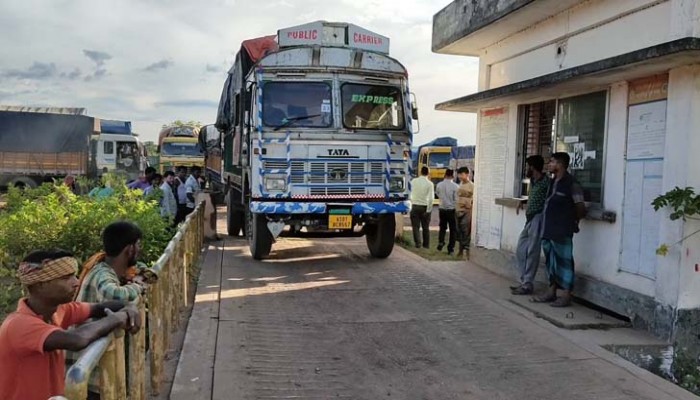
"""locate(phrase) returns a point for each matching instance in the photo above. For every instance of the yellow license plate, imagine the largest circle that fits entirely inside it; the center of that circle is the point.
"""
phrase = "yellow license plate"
(340, 222)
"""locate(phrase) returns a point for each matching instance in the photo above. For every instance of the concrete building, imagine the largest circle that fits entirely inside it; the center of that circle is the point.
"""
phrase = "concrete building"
(616, 83)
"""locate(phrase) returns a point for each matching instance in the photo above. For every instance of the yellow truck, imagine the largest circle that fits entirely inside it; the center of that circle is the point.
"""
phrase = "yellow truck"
(179, 146)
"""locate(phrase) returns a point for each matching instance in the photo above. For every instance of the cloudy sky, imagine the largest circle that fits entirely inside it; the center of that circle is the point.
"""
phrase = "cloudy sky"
(155, 61)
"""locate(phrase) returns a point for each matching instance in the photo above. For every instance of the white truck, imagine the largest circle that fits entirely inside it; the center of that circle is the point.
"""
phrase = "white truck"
(316, 130)
(39, 144)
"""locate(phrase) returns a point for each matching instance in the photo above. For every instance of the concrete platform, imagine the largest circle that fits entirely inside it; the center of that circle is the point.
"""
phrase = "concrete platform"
(575, 317)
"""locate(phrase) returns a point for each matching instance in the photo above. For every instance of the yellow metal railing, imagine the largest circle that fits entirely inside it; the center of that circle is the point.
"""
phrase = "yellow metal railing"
(165, 299)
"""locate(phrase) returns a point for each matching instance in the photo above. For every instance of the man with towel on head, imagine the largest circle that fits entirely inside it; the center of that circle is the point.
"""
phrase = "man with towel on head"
(33, 338)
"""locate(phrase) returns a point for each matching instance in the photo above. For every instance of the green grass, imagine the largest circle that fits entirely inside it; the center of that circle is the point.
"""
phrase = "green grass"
(432, 253)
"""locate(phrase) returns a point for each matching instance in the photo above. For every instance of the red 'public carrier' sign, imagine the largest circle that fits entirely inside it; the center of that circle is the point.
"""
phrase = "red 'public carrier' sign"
(328, 34)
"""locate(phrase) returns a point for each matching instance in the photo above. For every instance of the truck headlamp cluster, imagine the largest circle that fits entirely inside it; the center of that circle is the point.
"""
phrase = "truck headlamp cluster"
(275, 184)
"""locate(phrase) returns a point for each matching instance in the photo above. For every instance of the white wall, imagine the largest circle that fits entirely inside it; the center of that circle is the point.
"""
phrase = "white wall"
(685, 88)
(594, 30)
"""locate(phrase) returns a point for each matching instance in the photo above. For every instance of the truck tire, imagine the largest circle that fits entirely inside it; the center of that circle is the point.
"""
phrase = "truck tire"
(380, 236)
(235, 218)
(259, 237)
(23, 182)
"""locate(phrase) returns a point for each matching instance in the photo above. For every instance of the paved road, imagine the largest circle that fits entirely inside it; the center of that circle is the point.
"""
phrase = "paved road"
(321, 320)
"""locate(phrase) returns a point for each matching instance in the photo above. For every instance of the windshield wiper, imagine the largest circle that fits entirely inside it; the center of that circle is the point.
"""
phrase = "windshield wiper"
(288, 121)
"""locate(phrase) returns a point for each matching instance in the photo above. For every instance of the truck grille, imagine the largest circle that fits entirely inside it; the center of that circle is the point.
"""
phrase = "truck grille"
(336, 191)
(333, 178)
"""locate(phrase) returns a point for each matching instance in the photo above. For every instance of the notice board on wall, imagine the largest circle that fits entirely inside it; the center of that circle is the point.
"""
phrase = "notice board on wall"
(490, 176)
(646, 133)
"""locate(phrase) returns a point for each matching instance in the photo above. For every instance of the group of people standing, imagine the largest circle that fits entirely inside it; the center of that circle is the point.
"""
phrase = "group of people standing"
(555, 205)
(554, 208)
(178, 190)
(455, 209)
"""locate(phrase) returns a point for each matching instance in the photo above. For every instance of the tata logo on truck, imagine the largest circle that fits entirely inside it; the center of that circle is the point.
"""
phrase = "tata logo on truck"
(338, 152)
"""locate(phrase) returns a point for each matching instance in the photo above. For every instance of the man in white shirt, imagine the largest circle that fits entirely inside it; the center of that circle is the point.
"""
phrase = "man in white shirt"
(422, 196)
(168, 204)
(193, 187)
(447, 193)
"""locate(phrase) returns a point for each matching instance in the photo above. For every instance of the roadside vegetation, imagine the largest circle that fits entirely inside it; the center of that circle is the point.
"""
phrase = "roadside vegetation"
(51, 216)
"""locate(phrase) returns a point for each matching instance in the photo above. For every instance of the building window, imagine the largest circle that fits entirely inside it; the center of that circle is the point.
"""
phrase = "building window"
(581, 133)
(538, 121)
(575, 125)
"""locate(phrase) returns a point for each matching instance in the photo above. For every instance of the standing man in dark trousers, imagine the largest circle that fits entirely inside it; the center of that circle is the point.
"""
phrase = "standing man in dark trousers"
(447, 193)
(563, 209)
(527, 255)
(181, 194)
(465, 200)
(422, 196)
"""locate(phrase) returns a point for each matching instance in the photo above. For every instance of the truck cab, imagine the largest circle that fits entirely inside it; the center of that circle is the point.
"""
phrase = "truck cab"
(317, 127)
(117, 153)
(179, 146)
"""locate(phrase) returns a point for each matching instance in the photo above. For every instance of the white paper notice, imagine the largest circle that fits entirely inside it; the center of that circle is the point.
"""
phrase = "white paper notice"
(490, 176)
(571, 139)
(589, 155)
(646, 131)
(326, 106)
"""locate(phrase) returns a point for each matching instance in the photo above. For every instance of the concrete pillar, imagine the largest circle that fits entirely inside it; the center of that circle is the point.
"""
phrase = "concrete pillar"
(674, 277)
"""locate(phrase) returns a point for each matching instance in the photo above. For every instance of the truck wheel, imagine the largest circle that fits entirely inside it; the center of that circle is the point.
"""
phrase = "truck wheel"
(380, 236)
(259, 237)
(234, 218)
(23, 183)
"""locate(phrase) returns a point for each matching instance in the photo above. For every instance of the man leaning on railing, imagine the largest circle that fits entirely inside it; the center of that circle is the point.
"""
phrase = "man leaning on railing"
(113, 274)
(33, 338)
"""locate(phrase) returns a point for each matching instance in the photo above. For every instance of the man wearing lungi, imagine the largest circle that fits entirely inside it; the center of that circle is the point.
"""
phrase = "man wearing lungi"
(563, 209)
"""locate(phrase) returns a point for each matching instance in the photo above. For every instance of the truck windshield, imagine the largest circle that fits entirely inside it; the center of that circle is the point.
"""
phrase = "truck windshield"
(182, 131)
(128, 156)
(306, 104)
(372, 106)
(184, 149)
(439, 160)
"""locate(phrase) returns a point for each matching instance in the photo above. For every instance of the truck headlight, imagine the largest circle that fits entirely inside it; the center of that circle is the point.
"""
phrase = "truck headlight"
(397, 184)
(274, 184)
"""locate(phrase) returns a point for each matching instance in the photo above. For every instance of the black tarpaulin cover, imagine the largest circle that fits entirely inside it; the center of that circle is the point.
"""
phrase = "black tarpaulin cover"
(44, 133)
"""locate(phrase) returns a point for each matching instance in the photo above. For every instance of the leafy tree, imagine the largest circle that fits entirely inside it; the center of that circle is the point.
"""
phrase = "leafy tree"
(183, 123)
(151, 147)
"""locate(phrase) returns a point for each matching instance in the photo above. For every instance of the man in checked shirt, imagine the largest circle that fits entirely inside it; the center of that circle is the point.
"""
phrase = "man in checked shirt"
(529, 248)
(110, 278)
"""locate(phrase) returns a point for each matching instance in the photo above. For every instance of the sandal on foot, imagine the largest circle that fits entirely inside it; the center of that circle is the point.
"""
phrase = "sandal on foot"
(561, 302)
(543, 299)
(522, 291)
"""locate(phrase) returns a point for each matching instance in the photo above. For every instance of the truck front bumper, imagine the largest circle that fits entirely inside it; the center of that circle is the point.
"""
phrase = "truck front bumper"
(374, 207)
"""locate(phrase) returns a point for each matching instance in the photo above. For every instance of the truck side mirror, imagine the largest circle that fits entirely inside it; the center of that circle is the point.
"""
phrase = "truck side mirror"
(414, 113)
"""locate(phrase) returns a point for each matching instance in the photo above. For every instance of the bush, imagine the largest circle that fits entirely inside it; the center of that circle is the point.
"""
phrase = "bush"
(52, 217)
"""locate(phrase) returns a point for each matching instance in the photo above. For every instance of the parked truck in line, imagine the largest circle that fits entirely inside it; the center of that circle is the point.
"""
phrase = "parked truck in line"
(213, 161)
(39, 144)
(179, 146)
(316, 131)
